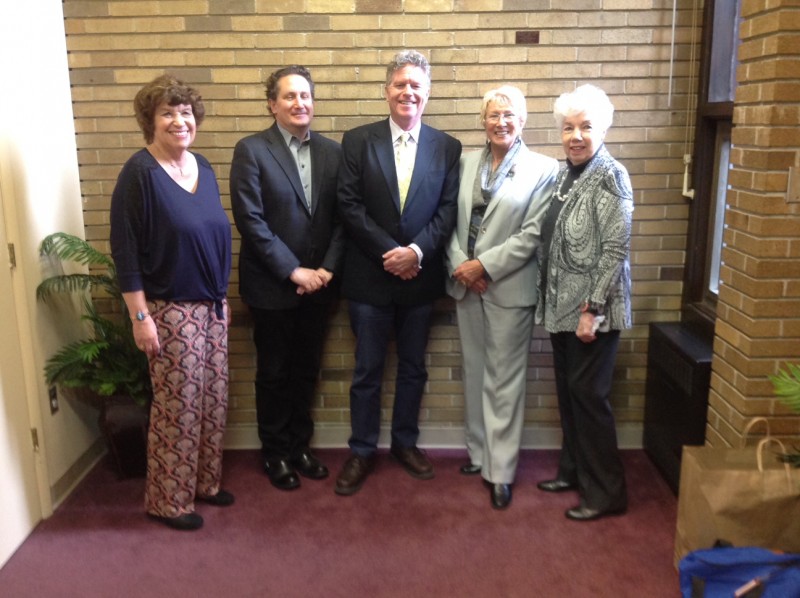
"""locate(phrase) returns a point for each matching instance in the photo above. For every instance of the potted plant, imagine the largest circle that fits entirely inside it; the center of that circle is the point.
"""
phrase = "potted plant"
(107, 363)
(786, 385)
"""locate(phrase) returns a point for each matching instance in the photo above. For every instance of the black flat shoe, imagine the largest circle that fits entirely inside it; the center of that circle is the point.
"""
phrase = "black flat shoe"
(308, 466)
(281, 474)
(223, 498)
(186, 522)
(470, 469)
(501, 496)
(556, 486)
(588, 514)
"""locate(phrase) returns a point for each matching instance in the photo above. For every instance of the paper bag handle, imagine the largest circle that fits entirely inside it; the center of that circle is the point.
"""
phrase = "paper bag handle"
(750, 426)
(760, 456)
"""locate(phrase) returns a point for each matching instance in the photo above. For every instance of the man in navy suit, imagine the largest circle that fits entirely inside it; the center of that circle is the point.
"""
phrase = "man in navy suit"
(398, 193)
(283, 193)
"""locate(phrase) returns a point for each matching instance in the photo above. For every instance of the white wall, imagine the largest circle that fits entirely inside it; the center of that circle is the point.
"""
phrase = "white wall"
(41, 194)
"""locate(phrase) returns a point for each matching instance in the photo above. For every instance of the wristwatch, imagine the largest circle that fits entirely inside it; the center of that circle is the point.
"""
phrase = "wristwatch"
(141, 316)
(592, 308)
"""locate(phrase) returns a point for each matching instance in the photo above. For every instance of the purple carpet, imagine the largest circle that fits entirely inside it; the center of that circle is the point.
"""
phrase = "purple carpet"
(398, 537)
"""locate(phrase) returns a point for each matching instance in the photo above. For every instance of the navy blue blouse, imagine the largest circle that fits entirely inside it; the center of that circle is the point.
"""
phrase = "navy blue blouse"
(172, 244)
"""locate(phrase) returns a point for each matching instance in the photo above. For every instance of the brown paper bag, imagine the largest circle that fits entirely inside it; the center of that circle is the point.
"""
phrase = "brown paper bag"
(744, 496)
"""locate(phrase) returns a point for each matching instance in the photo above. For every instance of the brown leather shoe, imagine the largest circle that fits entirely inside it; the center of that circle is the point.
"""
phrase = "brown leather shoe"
(414, 461)
(354, 472)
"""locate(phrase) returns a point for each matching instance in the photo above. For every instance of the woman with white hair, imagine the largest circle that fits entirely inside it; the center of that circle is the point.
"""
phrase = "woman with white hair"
(491, 260)
(585, 301)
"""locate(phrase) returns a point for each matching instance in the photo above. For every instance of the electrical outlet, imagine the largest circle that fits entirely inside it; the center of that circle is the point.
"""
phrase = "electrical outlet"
(53, 392)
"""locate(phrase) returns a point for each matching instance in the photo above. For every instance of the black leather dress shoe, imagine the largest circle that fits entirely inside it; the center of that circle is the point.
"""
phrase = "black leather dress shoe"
(588, 514)
(223, 498)
(281, 474)
(308, 466)
(556, 486)
(501, 496)
(186, 522)
(354, 472)
(470, 469)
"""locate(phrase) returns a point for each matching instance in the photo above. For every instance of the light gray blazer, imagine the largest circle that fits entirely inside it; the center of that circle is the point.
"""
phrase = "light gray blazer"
(509, 233)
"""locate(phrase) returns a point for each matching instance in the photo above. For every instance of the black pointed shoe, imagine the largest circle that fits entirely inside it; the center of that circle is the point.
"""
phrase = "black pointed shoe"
(556, 486)
(186, 522)
(588, 514)
(501, 496)
(223, 498)
(470, 469)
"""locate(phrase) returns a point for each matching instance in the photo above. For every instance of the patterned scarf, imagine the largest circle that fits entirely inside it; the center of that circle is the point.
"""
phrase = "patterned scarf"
(490, 183)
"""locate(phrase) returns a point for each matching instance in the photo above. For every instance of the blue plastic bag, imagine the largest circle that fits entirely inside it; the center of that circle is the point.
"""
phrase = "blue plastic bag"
(745, 572)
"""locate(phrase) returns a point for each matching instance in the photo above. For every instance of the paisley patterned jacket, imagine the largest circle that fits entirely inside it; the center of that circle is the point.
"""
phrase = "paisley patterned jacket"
(589, 252)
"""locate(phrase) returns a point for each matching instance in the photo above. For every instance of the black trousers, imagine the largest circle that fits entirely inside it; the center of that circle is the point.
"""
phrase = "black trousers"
(589, 453)
(289, 346)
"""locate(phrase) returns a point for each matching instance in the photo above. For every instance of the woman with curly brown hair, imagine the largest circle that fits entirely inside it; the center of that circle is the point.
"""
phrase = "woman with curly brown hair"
(171, 243)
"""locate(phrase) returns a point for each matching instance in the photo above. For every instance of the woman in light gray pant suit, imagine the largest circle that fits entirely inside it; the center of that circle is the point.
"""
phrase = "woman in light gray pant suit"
(492, 263)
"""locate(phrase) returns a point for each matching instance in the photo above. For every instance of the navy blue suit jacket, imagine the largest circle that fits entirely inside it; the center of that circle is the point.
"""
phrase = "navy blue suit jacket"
(369, 206)
(279, 232)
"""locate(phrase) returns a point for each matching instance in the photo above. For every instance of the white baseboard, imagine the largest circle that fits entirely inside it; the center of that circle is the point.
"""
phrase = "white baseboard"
(629, 436)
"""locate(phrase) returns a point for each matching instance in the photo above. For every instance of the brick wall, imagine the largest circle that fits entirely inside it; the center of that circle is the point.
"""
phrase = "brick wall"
(226, 48)
(758, 323)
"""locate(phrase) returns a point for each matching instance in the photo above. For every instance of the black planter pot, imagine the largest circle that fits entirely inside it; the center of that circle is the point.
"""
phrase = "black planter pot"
(124, 424)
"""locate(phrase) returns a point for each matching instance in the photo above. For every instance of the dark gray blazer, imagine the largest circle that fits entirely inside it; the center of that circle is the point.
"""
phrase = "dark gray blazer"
(278, 231)
(369, 205)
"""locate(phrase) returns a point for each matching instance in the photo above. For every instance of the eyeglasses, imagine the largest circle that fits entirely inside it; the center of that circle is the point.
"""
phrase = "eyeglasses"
(496, 117)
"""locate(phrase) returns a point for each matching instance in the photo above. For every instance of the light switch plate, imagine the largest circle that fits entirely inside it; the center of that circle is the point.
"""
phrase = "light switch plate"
(793, 188)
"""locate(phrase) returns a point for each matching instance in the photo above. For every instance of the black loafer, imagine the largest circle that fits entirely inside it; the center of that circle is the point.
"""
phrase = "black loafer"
(223, 498)
(556, 486)
(186, 522)
(470, 469)
(588, 514)
(501, 496)
(281, 474)
(308, 466)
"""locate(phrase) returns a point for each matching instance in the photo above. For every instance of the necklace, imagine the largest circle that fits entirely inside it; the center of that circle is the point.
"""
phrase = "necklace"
(559, 196)
(172, 164)
(178, 168)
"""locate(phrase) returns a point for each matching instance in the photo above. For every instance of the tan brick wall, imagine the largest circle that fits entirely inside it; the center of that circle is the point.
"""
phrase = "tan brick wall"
(758, 319)
(227, 48)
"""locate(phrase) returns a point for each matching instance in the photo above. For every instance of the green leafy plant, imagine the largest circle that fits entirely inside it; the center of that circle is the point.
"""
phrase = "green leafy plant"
(108, 362)
(786, 386)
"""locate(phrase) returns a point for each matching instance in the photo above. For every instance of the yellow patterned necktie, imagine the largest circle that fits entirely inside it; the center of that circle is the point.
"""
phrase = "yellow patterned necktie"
(404, 159)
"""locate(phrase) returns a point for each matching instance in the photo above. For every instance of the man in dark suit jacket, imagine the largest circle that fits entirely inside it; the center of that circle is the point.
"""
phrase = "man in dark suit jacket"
(396, 230)
(283, 193)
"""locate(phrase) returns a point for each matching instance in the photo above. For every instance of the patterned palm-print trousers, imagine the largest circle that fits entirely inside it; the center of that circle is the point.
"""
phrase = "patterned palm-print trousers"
(190, 402)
